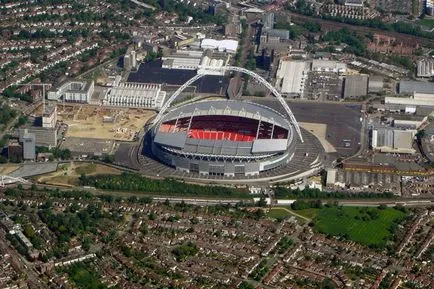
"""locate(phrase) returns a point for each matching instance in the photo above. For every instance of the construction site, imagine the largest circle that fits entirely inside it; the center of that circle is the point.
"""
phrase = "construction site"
(91, 121)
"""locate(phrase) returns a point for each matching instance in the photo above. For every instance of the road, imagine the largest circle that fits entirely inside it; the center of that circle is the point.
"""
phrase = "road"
(245, 49)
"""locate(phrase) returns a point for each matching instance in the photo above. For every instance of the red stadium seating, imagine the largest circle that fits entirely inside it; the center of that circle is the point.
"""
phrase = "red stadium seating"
(224, 128)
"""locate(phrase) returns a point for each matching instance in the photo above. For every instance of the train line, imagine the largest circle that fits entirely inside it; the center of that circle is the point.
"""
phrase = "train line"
(335, 25)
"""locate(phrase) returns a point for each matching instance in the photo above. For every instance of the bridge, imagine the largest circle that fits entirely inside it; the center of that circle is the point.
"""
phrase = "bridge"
(208, 70)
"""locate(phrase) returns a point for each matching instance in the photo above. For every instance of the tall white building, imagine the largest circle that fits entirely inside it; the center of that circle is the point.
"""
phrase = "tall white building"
(127, 62)
(49, 117)
(133, 58)
(29, 146)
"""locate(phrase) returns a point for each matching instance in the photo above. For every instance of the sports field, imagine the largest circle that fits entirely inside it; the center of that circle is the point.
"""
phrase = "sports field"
(368, 226)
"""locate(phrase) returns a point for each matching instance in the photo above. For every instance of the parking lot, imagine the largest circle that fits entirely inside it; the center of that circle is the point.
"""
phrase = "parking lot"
(323, 86)
(342, 120)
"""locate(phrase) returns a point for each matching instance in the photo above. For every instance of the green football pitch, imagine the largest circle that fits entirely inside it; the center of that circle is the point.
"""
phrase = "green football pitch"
(368, 226)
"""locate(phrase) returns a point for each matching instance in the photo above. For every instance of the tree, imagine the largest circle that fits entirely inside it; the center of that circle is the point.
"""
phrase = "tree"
(327, 283)
(29, 231)
(21, 120)
(355, 43)
(262, 202)
(86, 242)
(3, 159)
(421, 134)
(152, 216)
(382, 207)
(246, 285)
(184, 251)
(144, 228)
(109, 159)
(302, 7)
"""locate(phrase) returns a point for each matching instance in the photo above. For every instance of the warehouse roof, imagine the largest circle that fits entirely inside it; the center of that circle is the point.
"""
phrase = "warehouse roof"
(403, 139)
(281, 33)
(152, 72)
(355, 85)
(328, 65)
(222, 45)
(411, 86)
(292, 74)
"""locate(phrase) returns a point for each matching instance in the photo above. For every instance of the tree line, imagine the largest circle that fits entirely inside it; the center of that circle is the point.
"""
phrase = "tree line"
(6, 114)
(310, 193)
(138, 183)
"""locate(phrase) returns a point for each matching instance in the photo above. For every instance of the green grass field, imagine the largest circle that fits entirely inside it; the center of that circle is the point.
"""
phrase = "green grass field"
(278, 213)
(368, 226)
(426, 22)
(308, 213)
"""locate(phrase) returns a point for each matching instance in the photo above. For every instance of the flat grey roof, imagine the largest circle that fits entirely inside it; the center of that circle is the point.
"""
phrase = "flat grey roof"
(176, 139)
(282, 33)
(269, 145)
(410, 86)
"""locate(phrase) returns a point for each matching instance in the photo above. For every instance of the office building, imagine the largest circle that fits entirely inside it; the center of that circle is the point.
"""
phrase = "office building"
(73, 91)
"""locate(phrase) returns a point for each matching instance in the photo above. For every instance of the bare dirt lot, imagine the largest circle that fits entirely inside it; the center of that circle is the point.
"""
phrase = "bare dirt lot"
(68, 174)
(8, 168)
(87, 121)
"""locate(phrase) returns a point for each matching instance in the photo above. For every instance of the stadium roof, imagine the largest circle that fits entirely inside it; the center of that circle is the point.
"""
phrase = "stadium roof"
(229, 107)
(180, 142)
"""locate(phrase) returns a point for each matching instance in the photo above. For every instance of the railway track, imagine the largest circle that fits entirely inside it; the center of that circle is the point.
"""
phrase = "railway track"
(329, 25)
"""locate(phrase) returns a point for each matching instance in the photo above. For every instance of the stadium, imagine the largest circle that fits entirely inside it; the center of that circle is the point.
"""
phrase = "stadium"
(224, 138)
(232, 140)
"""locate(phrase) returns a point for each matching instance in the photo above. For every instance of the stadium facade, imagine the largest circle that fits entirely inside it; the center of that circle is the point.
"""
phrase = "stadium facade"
(224, 138)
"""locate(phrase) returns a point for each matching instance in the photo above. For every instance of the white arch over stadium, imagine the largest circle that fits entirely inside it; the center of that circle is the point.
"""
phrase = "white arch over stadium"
(236, 69)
